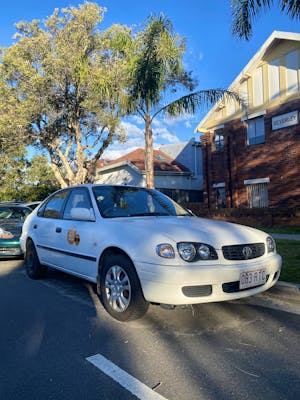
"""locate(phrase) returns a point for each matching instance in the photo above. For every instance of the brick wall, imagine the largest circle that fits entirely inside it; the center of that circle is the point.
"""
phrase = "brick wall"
(278, 159)
(267, 217)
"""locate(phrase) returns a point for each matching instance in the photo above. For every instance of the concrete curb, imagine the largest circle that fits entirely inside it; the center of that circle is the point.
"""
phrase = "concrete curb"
(294, 287)
(285, 291)
(286, 236)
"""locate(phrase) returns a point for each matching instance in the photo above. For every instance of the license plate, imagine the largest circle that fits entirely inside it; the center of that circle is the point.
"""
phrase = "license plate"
(252, 278)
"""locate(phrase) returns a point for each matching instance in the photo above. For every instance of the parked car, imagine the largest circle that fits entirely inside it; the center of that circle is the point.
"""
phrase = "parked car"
(32, 204)
(140, 247)
(12, 216)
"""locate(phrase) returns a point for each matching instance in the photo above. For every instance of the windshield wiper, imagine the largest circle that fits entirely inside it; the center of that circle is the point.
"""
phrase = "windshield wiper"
(149, 214)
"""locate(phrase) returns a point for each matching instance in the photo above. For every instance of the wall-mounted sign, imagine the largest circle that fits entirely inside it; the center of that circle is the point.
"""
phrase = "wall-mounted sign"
(284, 120)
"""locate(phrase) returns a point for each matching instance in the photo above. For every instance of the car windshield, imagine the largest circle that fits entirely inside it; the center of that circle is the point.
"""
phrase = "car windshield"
(120, 201)
(18, 213)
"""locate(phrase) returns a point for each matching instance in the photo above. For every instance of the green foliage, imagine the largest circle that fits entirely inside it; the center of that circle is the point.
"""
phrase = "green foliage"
(23, 180)
(65, 81)
(282, 229)
(64, 85)
(158, 75)
(244, 13)
(290, 253)
(158, 65)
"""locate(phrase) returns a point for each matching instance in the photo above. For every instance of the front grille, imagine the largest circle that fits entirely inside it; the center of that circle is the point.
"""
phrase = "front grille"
(197, 291)
(243, 251)
(234, 287)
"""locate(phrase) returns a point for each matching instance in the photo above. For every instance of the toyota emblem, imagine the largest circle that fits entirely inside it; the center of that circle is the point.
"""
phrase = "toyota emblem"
(247, 252)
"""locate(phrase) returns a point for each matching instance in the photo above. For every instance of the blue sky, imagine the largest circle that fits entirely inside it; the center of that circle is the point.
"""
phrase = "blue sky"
(213, 55)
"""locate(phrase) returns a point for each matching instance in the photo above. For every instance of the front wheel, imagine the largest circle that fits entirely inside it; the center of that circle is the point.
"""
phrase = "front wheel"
(33, 266)
(120, 289)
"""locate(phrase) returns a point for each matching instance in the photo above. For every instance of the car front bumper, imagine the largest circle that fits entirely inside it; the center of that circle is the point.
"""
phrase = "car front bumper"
(10, 248)
(193, 284)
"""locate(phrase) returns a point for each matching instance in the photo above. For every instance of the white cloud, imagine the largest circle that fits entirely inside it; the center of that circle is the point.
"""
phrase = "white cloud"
(172, 121)
(161, 134)
(137, 119)
(132, 130)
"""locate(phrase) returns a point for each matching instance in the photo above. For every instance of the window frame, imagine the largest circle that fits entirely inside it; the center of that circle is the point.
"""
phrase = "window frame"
(220, 143)
(220, 193)
(72, 194)
(256, 139)
(43, 209)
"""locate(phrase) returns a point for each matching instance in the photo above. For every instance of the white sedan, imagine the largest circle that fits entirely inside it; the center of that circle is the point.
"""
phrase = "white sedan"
(141, 247)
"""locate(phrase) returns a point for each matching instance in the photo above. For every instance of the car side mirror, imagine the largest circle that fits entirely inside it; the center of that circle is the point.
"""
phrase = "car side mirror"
(82, 214)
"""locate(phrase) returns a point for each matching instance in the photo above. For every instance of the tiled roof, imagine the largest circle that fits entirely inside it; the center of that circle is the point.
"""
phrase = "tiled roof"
(162, 162)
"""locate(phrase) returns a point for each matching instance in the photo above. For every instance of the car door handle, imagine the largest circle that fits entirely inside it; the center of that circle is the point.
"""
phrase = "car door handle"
(58, 230)
(35, 226)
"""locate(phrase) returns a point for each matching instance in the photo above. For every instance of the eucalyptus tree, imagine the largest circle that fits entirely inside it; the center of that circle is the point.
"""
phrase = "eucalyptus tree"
(158, 76)
(246, 11)
(65, 80)
(22, 179)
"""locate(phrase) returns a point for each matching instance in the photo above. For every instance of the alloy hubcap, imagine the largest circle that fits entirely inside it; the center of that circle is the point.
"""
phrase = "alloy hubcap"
(117, 288)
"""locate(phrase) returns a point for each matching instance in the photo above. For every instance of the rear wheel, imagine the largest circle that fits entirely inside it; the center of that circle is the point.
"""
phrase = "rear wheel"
(120, 289)
(33, 266)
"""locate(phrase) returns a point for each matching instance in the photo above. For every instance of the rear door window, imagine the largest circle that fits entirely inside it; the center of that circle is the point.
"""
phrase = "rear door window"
(54, 206)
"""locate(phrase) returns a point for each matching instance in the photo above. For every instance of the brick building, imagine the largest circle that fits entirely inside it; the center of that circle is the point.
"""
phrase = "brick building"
(251, 156)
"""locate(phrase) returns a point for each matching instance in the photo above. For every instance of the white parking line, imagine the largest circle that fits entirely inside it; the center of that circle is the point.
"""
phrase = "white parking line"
(133, 385)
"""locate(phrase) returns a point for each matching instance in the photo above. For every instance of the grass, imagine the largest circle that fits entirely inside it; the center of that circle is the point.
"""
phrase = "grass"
(282, 229)
(290, 253)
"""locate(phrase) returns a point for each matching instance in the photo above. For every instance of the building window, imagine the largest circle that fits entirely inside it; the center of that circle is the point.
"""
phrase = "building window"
(256, 130)
(258, 96)
(292, 67)
(219, 140)
(257, 194)
(274, 82)
(220, 197)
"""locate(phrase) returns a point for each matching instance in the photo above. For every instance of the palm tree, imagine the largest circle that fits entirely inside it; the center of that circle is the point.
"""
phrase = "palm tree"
(157, 74)
(245, 11)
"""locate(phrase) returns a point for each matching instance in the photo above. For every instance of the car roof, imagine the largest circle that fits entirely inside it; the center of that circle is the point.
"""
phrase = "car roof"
(13, 204)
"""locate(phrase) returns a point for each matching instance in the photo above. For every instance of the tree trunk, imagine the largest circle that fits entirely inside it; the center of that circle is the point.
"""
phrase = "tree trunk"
(149, 170)
(58, 175)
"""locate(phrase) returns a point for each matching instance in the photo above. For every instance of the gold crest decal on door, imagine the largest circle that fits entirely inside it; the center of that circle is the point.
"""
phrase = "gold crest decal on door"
(71, 235)
(77, 239)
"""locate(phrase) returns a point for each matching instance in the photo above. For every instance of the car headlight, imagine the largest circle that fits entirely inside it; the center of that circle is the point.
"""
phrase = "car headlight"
(196, 251)
(271, 246)
(165, 250)
(5, 234)
(204, 252)
(187, 251)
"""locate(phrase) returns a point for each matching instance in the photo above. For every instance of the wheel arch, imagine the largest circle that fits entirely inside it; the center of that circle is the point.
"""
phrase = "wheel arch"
(28, 239)
(112, 250)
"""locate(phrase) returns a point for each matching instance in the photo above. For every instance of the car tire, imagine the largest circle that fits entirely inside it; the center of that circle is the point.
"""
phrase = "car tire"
(33, 266)
(120, 289)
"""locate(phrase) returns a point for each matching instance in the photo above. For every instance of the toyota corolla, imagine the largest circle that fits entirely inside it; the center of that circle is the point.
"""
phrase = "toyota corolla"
(140, 247)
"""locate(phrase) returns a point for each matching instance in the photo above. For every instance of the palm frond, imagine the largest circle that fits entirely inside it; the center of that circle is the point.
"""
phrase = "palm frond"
(197, 100)
(244, 12)
(292, 8)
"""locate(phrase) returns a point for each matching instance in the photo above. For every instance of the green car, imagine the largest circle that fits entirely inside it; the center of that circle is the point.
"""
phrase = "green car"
(12, 217)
